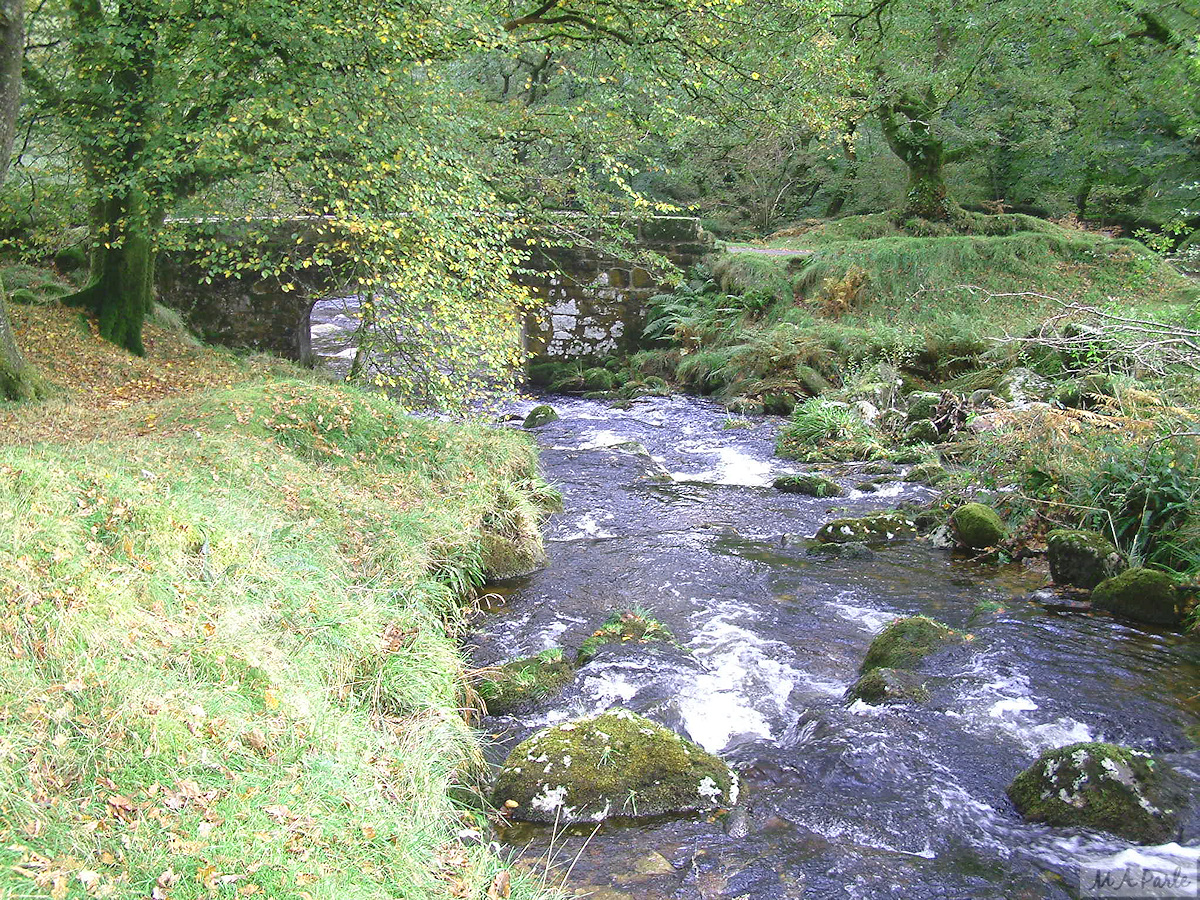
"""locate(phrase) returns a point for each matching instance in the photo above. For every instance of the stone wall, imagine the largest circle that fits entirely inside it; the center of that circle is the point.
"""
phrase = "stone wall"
(591, 304)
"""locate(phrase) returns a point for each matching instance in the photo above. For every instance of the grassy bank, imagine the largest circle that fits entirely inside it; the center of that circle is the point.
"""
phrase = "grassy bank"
(227, 657)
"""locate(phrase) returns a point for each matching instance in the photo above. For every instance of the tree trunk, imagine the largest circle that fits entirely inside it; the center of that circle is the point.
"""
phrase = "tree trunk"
(120, 290)
(17, 379)
(906, 128)
(846, 184)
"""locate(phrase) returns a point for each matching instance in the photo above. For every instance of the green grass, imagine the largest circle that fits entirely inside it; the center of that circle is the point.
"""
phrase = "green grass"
(227, 657)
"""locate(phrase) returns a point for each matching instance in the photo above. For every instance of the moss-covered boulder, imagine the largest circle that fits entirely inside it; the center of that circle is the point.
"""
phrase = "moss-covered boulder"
(977, 526)
(625, 627)
(1143, 595)
(540, 415)
(1023, 386)
(505, 558)
(873, 529)
(522, 681)
(1103, 787)
(921, 406)
(809, 483)
(922, 431)
(613, 764)
(1081, 558)
(886, 686)
(927, 473)
(906, 642)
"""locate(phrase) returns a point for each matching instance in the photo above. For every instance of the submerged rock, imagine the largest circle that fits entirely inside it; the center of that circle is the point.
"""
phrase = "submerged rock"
(906, 642)
(977, 526)
(1104, 787)
(1081, 558)
(884, 685)
(627, 627)
(540, 415)
(1144, 595)
(848, 550)
(616, 763)
(525, 680)
(505, 558)
(877, 528)
(809, 483)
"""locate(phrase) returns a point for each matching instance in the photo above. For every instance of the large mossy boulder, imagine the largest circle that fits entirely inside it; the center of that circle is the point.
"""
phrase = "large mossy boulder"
(886, 686)
(1023, 386)
(809, 483)
(542, 414)
(922, 405)
(1143, 595)
(625, 627)
(523, 681)
(977, 526)
(613, 764)
(505, 558)
(874, 529)
(1102, 787)
(927, 473)
(922, 431)
(905, 643)
(1081, 558)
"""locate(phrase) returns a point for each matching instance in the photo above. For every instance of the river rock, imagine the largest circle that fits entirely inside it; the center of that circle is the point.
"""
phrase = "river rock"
(523, 681)
(906, 642)
(1081, 558)
(977, 526)
(505, 558)
(1143, 595)
(540, 415)
(927, 473)
(616, 763)
(1103, 787)
(1021, 386)
(809, 483)
(921, 431)
(921, 406)
(848, 550)
(883, 685)
(625, 627)
(873, 529)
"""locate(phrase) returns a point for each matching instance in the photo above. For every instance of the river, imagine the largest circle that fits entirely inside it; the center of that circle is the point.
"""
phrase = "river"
(668, 510)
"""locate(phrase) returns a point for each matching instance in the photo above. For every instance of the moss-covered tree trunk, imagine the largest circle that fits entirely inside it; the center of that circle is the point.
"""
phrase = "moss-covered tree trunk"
(17, 378)
(116, 67)
(907, 128)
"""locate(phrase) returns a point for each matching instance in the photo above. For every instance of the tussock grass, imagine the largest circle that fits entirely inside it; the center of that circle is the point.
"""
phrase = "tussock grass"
(227, 662)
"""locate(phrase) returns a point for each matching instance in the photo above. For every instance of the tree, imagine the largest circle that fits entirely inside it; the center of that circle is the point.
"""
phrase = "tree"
(17, 380)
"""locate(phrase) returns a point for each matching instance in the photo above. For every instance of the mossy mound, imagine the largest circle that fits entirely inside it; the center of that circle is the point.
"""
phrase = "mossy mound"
(524, 680)
(880, 686)
(977, 526)
(921, 406)
(616, 763)
(921, 431)
(505, 558)
(1103, 787)
(906, 642)
(927, 473)
(626, 627)
(1081, 558)
(1143, 595)
(873, 529)
(542, 414)
(809, 483)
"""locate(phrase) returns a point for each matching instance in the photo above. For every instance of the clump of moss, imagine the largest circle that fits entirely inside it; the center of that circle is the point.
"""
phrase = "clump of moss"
(906, 642)
(977, 526)
(1101, 786)
(1144, 595)
(809, 483)
(525, 680)
(875, 528)
(927, 473)
(617, 763)
(626, 627)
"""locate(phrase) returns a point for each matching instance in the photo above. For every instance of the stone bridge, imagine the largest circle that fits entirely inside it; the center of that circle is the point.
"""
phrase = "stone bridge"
(588, 303)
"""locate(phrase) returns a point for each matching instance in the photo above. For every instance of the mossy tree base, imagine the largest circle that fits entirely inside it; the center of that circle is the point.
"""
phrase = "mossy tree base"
(18, 380)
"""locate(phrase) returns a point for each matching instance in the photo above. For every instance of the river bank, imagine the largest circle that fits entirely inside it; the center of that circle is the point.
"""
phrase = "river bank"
(228, 659)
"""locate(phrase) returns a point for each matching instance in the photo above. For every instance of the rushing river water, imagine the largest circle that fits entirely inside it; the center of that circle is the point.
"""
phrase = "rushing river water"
(844, 801)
